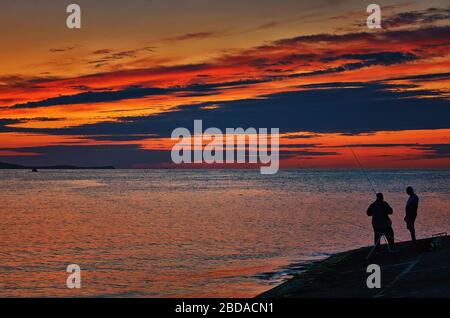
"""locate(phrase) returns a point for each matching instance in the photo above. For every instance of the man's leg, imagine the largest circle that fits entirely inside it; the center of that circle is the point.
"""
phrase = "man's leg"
(377, 236)
(412, 230)
(389, 232)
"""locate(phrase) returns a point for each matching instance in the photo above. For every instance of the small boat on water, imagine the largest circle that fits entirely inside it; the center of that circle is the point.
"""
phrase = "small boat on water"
(34, 170)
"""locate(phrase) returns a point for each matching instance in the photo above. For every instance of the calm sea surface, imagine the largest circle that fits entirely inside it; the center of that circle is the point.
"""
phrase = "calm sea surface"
(170, 233)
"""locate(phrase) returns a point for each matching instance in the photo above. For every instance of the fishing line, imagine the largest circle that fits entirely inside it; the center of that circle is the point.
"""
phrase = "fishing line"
(362, 169)
(362, 228)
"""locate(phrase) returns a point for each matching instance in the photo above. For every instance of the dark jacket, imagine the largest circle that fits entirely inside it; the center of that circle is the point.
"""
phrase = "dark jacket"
(379, 211)
(411, 206)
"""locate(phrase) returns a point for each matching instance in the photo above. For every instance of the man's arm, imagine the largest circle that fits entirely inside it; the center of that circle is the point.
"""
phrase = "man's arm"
(389, 209)
(370, 210)
(415, 203)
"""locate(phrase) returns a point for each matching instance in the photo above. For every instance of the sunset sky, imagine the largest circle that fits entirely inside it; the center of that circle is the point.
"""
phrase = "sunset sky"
(112, 92)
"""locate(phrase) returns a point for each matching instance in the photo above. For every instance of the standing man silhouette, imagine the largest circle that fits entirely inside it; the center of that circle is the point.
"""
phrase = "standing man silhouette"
(382, 224)
(411, 212)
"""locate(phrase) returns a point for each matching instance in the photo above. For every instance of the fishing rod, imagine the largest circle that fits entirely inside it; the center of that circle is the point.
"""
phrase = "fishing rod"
(362, 169)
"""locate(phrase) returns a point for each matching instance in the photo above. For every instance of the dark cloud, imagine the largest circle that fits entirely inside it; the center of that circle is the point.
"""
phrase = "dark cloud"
(4, 122)
(304, 154)
(376, 38)
(131, 93)
(424, 77)
(299, 146)
(431, 151)
(366, 107)
(108, 56)
(310, 135)
(434, 151)
(333, 85)
(429, 15)
(314, 38)
(366, 60)
(120, 156)
(193, 36)
(16, 81)
(93, 97)
(102, 51)
(62, 49)
(384, 58)
(82, 87)
(375, 145)
(380, 58)
(113, 138)
(43, 119)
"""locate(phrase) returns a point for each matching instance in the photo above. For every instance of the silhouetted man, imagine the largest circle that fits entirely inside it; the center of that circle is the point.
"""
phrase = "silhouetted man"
(382, 224)
(411, 212)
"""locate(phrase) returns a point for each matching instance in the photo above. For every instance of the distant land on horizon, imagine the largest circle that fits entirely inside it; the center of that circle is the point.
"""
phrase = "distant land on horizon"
(11, 166)
(4, 165)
